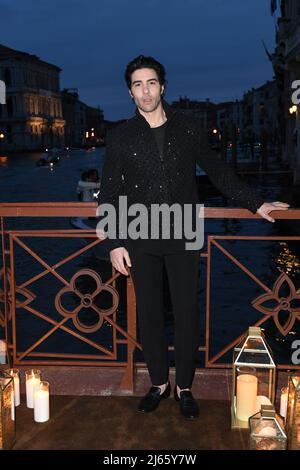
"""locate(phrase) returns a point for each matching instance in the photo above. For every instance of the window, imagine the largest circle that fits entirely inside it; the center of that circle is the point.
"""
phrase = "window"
(7, 76)
(9, 134)
(9, 107)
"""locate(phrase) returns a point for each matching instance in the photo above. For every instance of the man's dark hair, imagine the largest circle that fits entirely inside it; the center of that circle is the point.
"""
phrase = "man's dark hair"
(142, 62)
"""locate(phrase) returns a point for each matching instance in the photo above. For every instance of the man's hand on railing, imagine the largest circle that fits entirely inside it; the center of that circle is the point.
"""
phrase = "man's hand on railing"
(117, 258)
(268, 207)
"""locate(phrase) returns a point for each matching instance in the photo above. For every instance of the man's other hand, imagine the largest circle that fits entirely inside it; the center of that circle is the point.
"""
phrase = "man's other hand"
(117, 258)
(268, 207)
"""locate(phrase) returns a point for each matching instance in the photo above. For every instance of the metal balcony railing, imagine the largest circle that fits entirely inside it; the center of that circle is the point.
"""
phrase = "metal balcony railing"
(40, 328)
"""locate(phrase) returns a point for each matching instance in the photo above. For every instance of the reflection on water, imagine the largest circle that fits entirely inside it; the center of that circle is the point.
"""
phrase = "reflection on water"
(3, 160)
(22, 180)
(287, 262)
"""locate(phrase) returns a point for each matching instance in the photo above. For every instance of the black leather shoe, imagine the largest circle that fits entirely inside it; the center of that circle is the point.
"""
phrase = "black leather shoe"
(151, 401)
(187, 404)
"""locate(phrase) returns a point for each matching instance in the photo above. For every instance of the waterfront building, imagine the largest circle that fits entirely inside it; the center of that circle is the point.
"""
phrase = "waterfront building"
(31, 118)
(74, 114)
(286, 64)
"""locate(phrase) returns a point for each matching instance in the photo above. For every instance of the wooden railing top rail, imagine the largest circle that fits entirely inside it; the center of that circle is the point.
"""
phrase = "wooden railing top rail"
(88, 209)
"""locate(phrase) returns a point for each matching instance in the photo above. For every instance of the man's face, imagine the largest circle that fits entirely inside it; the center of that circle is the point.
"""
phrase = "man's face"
(146, 89)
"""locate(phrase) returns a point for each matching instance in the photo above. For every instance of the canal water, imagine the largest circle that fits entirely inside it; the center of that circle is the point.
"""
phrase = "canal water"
(232, 291)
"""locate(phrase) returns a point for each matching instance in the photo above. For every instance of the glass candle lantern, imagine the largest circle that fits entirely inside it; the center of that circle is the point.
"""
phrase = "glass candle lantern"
(253, 378)
(15, 373)
(293, 412)
(7, 411)
(266, 430)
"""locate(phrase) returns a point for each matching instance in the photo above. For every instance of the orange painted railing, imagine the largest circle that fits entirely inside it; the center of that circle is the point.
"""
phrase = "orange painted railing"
(18, 298)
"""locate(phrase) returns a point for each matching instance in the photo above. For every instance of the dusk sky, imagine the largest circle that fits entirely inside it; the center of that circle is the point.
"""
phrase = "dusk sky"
(210, 48)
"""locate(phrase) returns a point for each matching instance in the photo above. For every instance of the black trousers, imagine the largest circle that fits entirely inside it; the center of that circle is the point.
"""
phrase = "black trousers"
(147, 273)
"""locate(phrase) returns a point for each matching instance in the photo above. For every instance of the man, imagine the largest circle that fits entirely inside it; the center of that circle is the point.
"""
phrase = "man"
(151, 159)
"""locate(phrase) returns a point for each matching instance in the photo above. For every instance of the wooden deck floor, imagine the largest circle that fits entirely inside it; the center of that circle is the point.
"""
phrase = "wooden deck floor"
(110, 422)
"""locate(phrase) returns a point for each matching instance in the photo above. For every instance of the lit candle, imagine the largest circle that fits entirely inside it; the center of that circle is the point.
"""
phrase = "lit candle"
(2, 351)
(246, 396)
(267, 431)
(283, 401)
(261, 400)
(12, 405)
(33, 378)
(41, 402)
(16, 375)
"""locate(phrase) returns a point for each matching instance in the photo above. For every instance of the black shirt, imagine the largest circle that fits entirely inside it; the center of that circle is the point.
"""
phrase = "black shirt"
(159, 134)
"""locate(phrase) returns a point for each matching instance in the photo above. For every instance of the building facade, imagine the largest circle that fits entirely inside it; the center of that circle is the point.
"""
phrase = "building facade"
(261, 122)
(205, 111)
(31, 119)
(95, 126)
(286, 64)
(74, 114)
(84, 125)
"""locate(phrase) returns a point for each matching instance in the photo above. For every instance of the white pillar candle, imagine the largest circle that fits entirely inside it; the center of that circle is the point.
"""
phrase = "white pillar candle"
(17, 390)
(33, 378)
(2, 351)
(261, 400)
(246, 396)
(41, 402)
(283, 401)
(12, 409)
(16, 376)
(267, 431)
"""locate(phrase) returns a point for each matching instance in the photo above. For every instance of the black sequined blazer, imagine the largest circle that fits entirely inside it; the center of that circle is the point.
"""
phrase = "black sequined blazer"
(134, 167)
